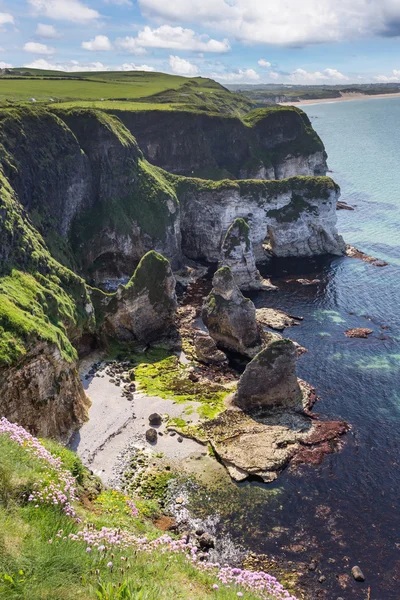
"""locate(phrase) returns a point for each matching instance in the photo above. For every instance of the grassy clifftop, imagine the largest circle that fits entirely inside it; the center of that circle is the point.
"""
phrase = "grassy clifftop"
(20, 85)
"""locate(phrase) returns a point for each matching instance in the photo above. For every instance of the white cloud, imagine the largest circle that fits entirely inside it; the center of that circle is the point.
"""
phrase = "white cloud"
(180, 66)
(301, 76)
(264, 63)
(75, 66)
(71, 66)
(133, 67)
(6, 19)
(64, 10)
(389, 79)
(48, 32)
(238, 76)
(290, 23)
(36, 48)
(4, 65)
(100, 43)
(173, 38)
(129, 45)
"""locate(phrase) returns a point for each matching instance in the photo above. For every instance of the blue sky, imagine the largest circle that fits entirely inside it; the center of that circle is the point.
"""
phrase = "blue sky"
(233, 41)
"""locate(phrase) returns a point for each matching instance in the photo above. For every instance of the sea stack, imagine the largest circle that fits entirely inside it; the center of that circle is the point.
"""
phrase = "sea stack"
(145, 308)
(230, 317)
(237, 254)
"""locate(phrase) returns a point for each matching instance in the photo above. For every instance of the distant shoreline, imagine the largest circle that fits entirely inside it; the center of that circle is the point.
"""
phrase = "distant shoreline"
(343, 98)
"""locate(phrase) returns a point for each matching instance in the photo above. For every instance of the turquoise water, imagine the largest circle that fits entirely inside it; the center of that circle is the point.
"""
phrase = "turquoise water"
(346, 511)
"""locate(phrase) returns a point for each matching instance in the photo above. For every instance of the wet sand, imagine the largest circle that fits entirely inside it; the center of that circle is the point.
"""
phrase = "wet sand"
(344, 98)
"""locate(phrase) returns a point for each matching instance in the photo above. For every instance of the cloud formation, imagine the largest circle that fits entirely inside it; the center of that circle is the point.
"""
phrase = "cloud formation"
(172, 38)
(64, 10)
(289, 23)
(180, 66)
(47, 32)
(100, 43)
(37, 48)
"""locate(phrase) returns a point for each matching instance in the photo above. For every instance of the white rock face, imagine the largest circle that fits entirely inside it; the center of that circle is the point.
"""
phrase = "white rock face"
(314, 164)
(237, 254)
(283, 222)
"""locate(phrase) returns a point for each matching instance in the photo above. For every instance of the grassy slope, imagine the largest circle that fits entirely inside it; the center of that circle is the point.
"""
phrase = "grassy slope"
(70, 572)
(152, 88)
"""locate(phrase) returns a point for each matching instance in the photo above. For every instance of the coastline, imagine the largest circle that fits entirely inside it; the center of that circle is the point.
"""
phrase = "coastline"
(344, 98)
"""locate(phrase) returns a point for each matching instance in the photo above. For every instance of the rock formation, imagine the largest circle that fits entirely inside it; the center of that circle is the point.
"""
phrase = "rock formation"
(230, 317)
(294, 217)
(237, 254)
(269, 380)
(145, 309)
(206, 349)
(44, 394)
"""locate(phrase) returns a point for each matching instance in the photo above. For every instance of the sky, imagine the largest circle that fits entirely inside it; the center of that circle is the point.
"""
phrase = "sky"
(232, 41)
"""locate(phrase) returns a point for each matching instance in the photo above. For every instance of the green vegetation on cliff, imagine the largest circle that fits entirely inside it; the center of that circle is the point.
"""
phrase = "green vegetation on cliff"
(39, 298)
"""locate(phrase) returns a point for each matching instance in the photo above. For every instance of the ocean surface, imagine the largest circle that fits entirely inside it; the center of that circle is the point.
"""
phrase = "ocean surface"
(346, 511)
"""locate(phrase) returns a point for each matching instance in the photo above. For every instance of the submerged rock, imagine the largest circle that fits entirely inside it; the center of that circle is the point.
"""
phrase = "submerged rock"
(270, 380)
(357, 574)
(276, 319)
(145, 308)
(237, 254)
(358, 332)
(230, 317)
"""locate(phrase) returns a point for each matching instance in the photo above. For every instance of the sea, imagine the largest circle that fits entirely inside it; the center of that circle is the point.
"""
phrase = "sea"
(346, 511)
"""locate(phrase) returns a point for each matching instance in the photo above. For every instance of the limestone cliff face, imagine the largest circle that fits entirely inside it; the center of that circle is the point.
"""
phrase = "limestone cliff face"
(293, 217)
(44, 393)
(271, 143)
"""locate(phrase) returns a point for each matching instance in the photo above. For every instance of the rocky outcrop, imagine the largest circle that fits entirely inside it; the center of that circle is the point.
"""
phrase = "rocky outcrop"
(269, 380)
(44, 393)
(237, 254)
(145, 309)
(230, 317)
(295, 217)
(206, 349)
(269, 143)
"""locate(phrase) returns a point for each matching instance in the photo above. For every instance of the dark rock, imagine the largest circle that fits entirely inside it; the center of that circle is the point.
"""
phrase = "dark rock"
(180, 440)
(206, 349)
(206, 542)
(360, 332)
(357, 574)
(155, 419)
(151, 436)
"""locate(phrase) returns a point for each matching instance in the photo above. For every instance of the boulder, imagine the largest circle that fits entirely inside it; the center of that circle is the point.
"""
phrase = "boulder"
(145, 308)
(237, 254)
(151, 436)
(155, 419)
(270, 380)
(206, 349)
(230, 317)
(357, 574)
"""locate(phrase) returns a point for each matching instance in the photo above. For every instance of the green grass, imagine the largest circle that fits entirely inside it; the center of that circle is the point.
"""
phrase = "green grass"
(31, 568)
(51, 87)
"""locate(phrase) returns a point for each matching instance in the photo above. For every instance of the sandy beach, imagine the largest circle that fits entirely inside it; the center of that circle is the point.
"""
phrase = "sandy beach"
(115, 422)
(344, 98)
